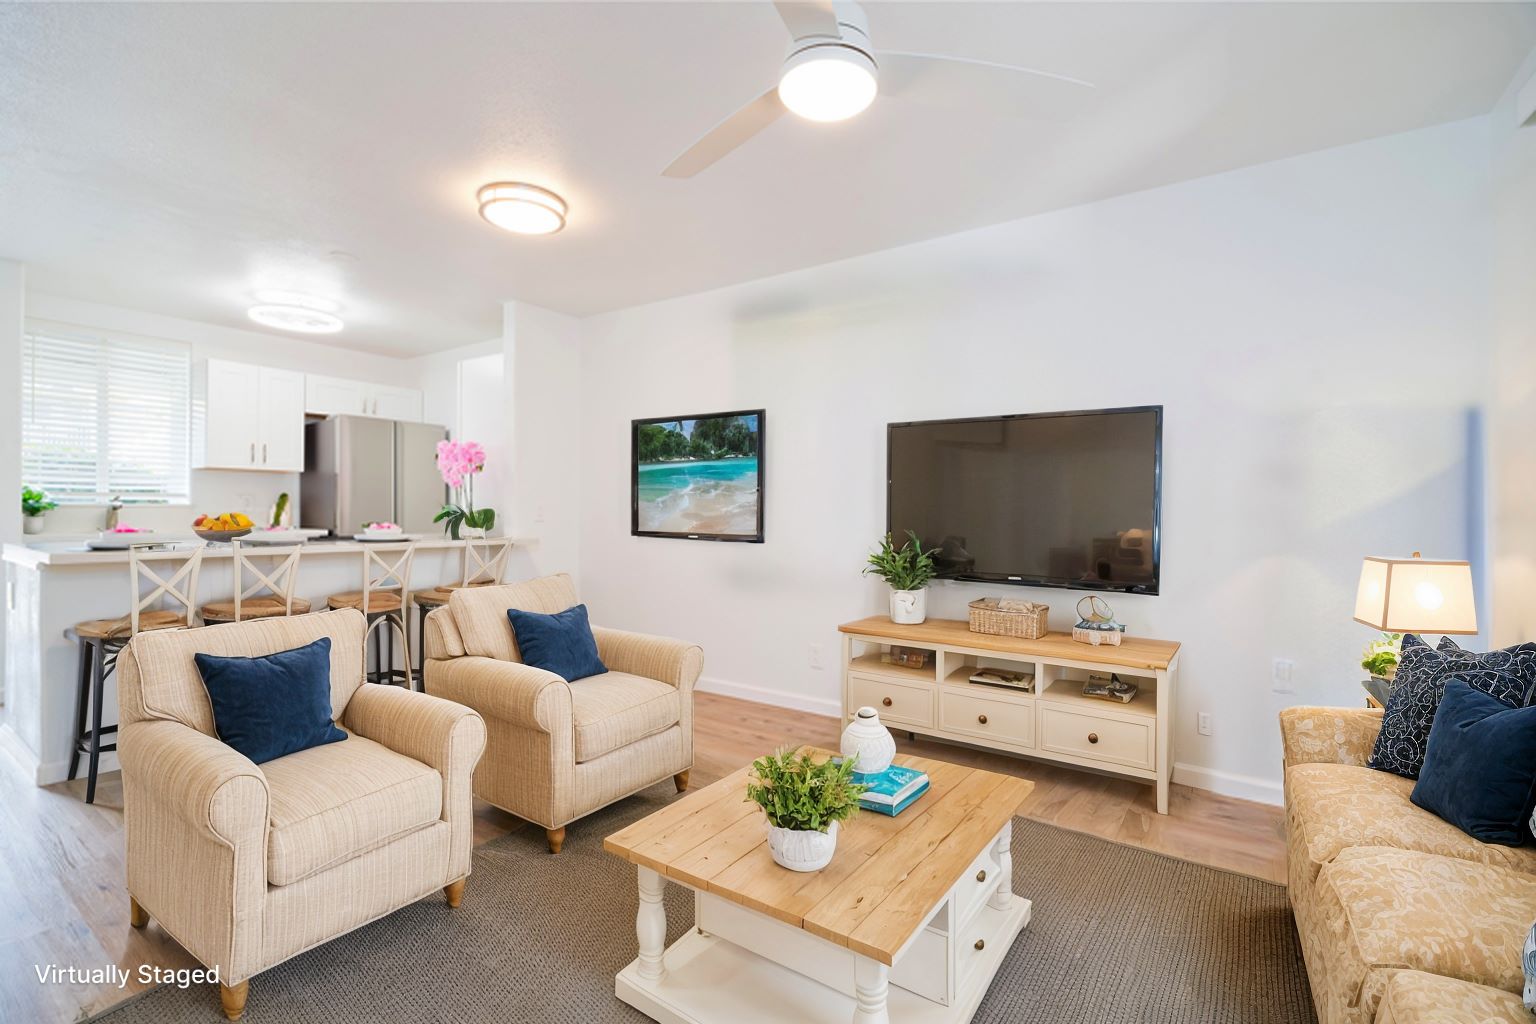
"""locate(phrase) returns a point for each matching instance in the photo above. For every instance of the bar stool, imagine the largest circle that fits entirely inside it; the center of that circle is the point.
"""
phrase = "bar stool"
(271, 592)
(481, 564)
(383, 600)
(101, 640)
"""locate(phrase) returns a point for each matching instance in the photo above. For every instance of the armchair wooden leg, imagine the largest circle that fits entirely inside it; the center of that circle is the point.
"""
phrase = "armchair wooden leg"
(233, 998)
(680, 780)
(454, 891)
(556, 837)
(137, 915)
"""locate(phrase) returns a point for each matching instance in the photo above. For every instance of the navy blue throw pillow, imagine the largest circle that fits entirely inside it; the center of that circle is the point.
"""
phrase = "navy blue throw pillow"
(561, 643)
(1509, 676)
(273, 705)
(1480, 771)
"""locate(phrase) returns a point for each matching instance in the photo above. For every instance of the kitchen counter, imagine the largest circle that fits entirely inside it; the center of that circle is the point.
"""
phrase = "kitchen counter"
(73, 552)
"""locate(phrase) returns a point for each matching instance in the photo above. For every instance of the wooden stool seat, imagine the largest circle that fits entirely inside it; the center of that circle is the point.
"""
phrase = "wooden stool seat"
(436, 597)
(378, 601)
(122, 629)
(258, 608)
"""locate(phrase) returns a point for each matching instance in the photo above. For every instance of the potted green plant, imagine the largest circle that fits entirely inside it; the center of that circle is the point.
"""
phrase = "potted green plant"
(1380, 656)
(804, 800)
(907, 570)
(34, 505)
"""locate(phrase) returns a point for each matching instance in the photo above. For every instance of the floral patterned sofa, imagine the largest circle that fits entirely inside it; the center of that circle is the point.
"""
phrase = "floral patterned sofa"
(1404, 918)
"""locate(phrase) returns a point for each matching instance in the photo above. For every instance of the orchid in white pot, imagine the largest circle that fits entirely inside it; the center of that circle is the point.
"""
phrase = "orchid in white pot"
(459, 462)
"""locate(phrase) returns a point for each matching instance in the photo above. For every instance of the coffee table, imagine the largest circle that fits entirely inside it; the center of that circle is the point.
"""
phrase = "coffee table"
(909, 923)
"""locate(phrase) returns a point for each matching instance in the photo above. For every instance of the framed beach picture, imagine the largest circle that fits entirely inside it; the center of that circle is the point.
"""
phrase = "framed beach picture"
(698, 477)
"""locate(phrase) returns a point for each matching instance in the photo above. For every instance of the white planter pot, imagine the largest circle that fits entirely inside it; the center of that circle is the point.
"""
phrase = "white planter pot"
(31, 524)
(869, 741)
(909, 607)
(802, 851)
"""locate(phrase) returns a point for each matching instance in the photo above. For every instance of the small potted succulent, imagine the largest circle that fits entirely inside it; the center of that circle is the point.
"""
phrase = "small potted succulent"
(1380, 657)
(907, 570)
(34, 505)
(804, 800)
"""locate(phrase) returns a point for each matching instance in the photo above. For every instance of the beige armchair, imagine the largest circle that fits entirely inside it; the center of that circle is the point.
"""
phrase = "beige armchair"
(557, 751)
(246, 865)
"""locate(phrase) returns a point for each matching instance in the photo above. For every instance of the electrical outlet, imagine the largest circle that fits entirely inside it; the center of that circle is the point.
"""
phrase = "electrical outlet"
(1205, 723)
(814, 656)
(1280, 675)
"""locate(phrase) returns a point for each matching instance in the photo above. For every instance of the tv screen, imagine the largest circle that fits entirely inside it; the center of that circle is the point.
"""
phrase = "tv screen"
(1065, 499)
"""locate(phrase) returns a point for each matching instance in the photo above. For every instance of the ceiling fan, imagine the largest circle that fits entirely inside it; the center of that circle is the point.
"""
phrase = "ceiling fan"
(832, 72)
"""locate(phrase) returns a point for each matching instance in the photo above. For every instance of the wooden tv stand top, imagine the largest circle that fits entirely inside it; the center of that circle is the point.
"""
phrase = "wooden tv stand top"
(1133, 652)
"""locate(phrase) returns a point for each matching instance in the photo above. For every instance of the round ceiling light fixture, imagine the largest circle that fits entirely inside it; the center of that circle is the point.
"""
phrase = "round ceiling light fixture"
(290, 311)
(828, 81)
(522, 209)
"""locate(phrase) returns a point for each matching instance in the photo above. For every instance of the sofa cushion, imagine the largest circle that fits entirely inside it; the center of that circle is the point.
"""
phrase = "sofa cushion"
(1333, 807)
(616, 709)
(272, 704)
(331, 803)
(1413, 997)
(1382, 911)
(1480, 770)
(561, 643)
(480, 613)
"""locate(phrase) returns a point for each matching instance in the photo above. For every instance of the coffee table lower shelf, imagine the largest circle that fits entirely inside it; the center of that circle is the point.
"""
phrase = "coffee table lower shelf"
(707, 979)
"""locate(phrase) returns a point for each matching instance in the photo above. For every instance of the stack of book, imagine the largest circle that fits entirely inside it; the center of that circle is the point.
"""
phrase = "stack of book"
(893, 790)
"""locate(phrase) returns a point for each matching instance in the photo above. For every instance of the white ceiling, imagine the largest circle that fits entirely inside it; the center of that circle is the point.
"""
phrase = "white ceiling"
(178, 157)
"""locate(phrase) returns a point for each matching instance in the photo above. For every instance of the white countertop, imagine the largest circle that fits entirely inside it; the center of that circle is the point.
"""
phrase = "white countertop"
(73, 552)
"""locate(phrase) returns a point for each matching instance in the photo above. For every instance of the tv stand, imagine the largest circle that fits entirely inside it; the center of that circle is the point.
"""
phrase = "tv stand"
(1052, 721)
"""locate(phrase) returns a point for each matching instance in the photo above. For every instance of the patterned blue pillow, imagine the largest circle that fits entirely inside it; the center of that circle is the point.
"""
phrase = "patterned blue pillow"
(1508, 676)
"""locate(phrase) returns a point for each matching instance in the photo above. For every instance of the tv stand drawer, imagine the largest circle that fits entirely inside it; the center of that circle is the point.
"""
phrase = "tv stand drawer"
(906, 703)
(1083, 734)
(987, 718)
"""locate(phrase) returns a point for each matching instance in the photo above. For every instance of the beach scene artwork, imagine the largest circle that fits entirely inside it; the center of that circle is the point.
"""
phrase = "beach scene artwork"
(699, 476)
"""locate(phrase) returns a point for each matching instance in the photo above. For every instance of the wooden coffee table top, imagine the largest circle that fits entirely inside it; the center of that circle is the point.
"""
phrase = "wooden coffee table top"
(886, 877)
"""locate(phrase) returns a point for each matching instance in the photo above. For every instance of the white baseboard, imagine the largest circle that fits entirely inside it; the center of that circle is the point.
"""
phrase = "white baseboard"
(1246, 787)
(776, 698)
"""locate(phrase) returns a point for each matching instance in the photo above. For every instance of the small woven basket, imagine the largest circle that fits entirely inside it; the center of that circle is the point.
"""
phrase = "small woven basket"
(1023, 619)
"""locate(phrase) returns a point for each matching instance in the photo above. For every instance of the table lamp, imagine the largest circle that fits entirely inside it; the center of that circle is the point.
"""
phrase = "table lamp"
(1416, 595)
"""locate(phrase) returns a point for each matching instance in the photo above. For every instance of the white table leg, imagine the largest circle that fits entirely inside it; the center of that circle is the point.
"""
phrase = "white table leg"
(1002, 896)
(871, 986)
(651, 926)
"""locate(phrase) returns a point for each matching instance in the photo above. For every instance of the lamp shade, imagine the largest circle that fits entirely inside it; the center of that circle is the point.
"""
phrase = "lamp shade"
(1416, 595)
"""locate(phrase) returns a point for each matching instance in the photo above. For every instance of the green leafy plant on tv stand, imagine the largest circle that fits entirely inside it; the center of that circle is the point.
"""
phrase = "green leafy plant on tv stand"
(908, 567)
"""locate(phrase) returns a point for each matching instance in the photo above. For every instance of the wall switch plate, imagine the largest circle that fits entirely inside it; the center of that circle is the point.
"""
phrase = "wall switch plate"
(1205, 723)
(815, 656)
(1280, 675)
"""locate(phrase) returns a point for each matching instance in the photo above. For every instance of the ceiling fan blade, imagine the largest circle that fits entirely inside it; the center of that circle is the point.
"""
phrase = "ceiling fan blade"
(1006, 88)
(808, 18)
(727, 135)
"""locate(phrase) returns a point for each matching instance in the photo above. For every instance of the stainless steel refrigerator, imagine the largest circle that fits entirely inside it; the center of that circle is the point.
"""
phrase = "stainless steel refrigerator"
(358, 469)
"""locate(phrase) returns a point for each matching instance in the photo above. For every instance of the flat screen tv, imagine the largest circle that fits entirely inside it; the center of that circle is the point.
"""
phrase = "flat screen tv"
(1067, 499)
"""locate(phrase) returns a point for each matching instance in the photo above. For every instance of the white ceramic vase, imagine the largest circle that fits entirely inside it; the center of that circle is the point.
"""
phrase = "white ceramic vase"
(31, 524)
(798, 850)
(909, 607)
(868, 741)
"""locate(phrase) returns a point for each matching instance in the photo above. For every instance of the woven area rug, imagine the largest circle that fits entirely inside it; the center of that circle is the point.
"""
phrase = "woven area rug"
(1118, 936)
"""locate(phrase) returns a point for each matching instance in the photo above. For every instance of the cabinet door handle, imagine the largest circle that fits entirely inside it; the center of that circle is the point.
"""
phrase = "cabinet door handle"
(982, 719)
(981, 876)
(1093, 737)
(885, 702)
(981, 943)
(253, 453)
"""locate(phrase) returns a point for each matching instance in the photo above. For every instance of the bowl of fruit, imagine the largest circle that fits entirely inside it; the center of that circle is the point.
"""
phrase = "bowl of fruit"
(222, 527)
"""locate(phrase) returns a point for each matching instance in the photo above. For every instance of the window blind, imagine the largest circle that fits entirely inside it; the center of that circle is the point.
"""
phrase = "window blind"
(106, 416)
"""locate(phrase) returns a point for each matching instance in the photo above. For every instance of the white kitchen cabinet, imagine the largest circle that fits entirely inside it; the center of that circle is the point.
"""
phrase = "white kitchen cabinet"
(332, 396)
(250, 417)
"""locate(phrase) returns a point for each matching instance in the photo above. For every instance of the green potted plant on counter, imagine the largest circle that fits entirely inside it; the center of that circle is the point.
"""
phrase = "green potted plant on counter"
(458, 462)
(804, 800)
(34, 505)
(907, 570)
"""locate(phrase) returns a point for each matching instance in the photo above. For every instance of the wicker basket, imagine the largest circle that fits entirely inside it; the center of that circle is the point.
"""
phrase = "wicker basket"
(1023, 619)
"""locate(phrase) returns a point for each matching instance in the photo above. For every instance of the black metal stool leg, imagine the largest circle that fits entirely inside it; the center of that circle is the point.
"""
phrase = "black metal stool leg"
(82, 702)
(98, 676)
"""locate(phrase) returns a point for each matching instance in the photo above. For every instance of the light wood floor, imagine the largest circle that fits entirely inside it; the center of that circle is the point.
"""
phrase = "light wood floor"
(61, 861)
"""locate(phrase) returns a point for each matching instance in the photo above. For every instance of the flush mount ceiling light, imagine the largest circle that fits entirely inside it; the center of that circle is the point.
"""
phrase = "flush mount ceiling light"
(289, 311)
(827, 81)
(522, 209)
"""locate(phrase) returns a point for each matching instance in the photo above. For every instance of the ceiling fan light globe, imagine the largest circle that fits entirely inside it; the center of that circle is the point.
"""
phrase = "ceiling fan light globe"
(830, 82)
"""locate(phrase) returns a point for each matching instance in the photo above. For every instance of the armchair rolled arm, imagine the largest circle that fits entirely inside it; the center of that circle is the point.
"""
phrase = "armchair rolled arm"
(208, 784)
(656, 657)
(507, 691)
(1324, 735)
(439, 733)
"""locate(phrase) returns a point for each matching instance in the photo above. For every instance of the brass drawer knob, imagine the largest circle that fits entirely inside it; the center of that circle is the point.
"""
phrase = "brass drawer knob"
(1093, 737)
(981, 876)
(981, 943)
(982, 719)
(885, 701)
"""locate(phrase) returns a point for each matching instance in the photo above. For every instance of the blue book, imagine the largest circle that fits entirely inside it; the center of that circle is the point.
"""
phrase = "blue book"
(891, 786)
(897, 808)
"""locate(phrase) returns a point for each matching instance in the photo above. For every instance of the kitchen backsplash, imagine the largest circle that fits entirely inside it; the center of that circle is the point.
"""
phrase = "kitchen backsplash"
(213, 491)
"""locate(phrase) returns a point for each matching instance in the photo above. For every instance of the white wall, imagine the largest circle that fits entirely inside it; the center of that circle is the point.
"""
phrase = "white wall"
(1315, 328)
(13, 279)
(1513, 446)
